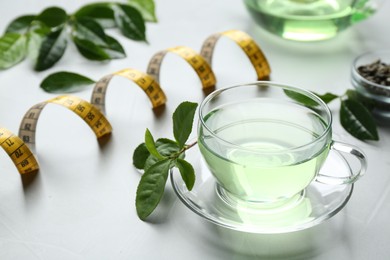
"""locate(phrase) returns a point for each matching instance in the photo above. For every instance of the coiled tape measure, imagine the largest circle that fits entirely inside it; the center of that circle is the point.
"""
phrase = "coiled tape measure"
(21, 148)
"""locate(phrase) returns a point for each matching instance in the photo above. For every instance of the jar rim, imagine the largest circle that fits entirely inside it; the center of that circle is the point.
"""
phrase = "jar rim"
(355, 66)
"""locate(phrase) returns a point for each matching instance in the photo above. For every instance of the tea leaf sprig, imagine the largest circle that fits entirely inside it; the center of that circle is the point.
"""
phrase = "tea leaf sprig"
(44, 37)
(355, 115)
(156, 158)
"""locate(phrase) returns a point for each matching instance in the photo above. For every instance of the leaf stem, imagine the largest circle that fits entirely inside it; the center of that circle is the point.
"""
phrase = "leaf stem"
(344, 96)
(190, 145)
(185, 148)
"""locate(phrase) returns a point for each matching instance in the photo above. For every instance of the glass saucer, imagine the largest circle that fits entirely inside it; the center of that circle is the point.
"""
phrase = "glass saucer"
(319, 201)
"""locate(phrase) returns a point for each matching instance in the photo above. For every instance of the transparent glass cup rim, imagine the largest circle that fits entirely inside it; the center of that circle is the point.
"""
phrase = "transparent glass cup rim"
(355, 66)
(304, 92)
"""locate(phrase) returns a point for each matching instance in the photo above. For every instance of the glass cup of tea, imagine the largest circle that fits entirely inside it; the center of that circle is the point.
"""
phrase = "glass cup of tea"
(309, 20)
(266, 142)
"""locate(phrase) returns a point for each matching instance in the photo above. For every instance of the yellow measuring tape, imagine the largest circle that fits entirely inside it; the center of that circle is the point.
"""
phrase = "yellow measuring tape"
(18, 151)
(89, 113)
(143, 80)
(247, 44)
(197, 62)
(18, 148)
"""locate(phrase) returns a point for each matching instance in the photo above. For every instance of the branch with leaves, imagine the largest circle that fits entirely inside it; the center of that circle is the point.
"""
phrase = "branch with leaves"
(44, 37)
(355, 115)
(156, 158)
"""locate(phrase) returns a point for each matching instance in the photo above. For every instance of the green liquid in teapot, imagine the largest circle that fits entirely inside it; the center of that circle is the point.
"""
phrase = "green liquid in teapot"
(308, 20)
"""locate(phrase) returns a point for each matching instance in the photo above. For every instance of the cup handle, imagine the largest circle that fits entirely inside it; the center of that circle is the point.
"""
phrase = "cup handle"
(348, 149)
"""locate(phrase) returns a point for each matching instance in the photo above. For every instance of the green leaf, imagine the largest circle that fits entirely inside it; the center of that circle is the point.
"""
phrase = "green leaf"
(327, 97)
(53, 16)
(357, 120)
(35, 36)
(300, 98)
(88, 29)
(183, 118)
(113, 48)
(151, 188)
(146, 8)
(166, 148)
(130, 22)
(151, 145)
(20, 24)
(100, 12)
(140, 156)
(99, 46)
(352, 94)
(187, 172)
(367, 102)
(65, 82)
(12, 49)
(90, 50)
(151, 160)
(51, 50)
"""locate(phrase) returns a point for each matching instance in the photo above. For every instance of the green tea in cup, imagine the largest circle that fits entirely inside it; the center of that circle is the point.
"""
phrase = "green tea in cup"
(265, 143)
(309, 20)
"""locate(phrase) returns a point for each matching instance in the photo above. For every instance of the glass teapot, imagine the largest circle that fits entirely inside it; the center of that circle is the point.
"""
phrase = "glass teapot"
(309, 20)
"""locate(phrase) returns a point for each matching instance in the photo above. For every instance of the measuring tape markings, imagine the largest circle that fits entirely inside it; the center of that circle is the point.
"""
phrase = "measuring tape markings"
(143, 80)
(247, 44)
(196, 61)
(90, 114)
(93, 114)
(18, 151)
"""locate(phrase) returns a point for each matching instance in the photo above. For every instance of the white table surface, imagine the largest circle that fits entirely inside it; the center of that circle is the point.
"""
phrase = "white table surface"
(81, 204)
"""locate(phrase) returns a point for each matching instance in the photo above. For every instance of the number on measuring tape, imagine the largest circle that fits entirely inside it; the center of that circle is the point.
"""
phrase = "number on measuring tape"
(89, 113)
(18, 151)
(247, 44)
(143, 80)
(197, 62)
